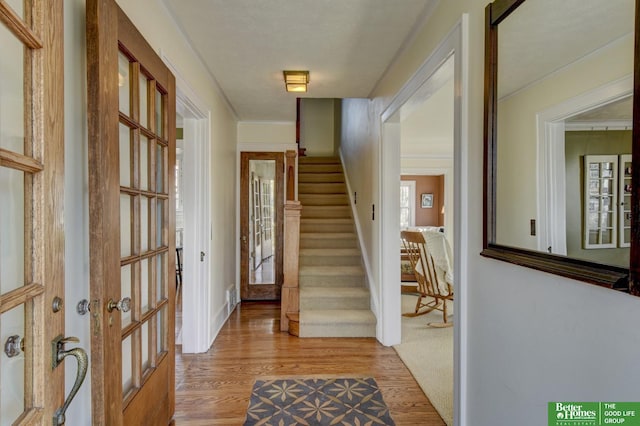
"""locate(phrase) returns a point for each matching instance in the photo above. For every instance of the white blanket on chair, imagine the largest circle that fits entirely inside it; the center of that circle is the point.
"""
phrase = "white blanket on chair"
(440, 250)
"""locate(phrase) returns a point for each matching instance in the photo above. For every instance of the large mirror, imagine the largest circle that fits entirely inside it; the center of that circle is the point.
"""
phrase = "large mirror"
(559, 138)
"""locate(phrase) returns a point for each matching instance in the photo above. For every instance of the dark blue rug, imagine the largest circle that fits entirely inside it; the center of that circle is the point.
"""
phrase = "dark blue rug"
(315, 402)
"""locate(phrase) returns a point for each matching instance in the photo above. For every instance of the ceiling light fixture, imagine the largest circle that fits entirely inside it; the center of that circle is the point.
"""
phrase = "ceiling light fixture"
(296, 81)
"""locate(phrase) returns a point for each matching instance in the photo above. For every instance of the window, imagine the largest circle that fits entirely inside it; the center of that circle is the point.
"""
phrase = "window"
(407, 203)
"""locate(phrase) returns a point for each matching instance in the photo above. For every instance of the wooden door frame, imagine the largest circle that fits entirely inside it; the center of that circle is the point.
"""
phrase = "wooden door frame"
(261, 292)
(106, 24)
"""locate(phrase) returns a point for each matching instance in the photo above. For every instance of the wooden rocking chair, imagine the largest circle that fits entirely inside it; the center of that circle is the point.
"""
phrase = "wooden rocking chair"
(432, 282)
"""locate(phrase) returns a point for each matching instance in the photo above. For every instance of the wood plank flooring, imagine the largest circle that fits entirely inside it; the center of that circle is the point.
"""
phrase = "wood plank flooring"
(214, 388)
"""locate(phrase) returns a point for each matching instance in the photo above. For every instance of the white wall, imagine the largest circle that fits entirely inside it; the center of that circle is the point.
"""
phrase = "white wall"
(317, 126)
(152, 19)
(532, 337)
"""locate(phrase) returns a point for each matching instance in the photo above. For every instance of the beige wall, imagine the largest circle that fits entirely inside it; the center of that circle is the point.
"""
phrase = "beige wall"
(527, 336)
(317, 126)
(265, 132)
(517, 135)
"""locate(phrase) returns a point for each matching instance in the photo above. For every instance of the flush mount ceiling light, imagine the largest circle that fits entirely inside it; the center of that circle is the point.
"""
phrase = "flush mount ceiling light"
(296, 81)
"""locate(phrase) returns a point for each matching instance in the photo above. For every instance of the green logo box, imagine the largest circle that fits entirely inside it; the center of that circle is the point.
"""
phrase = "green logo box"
(594, 413)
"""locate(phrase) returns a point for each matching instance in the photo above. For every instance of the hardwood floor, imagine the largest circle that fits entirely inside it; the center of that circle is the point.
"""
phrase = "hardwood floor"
(214, 388)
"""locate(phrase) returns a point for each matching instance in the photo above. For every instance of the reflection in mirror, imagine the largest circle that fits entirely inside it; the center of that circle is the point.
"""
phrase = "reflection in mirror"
(559, 133)
(261, 221)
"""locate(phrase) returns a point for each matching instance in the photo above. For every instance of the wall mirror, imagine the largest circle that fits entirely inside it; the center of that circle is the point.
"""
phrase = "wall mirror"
(560, 138)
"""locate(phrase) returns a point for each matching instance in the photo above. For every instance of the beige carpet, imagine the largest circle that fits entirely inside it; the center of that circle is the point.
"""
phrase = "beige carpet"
(428, 354)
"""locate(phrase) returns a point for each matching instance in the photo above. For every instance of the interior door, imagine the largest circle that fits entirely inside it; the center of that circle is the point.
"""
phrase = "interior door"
(131, 102)
(31, 210)
(261, 224)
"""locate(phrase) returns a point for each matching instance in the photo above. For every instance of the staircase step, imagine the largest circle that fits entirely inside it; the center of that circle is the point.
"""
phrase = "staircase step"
(334, 298)
(326, 212)
(323, 199)
(319, 168)
(337, 323)
(322, 188)
(331, 276)
(330, 257)
(321, 177)
(321, 160)
(326, 225)
(328, 240)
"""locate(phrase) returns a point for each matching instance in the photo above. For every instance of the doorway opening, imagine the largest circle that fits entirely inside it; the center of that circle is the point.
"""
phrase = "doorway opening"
(446, 65)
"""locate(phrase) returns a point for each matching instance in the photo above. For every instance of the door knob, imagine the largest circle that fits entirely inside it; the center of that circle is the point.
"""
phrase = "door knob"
(123, 305)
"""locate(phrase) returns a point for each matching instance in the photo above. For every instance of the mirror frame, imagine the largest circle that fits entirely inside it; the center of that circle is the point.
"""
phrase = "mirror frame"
(614, 277)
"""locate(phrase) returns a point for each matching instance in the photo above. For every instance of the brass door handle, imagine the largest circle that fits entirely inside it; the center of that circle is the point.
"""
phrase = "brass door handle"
(123, 305)
(59, 354)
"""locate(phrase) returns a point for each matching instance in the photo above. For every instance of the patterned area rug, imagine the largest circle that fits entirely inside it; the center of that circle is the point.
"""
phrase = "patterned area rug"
(310, 402)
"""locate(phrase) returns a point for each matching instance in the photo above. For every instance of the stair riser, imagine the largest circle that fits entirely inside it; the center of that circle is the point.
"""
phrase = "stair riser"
(331, 281)
(334, 303)
(328, 243)
(343, 330)
(326, 227)
(322, 188)
(320, 178)
(319, 168)
(330, 260)
(326, 212)
(323, 199)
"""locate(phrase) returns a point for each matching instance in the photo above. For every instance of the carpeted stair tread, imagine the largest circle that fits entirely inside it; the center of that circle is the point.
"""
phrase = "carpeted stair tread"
(331, 270)
(322, 188)
(314, 177)
(338, 298)
(337, 323)
(320, 160)
(323, 200)
(326, 212)
(329, 252)
(327, 235)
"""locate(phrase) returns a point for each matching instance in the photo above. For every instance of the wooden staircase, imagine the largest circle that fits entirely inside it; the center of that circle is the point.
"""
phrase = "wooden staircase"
(334, 299)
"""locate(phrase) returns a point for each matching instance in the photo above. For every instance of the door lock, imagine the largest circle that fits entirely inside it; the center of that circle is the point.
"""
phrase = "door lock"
(201, 256)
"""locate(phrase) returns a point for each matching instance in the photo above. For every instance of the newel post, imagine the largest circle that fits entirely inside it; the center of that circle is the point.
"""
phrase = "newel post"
(290, 297)
(290, 294)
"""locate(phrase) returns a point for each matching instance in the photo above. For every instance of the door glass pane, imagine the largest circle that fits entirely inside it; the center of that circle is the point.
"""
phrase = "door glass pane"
(12, 370)
(144, 103)
(11, 229)
(17, 6)
(261, 208)
(125, 156)
(11, 92)
(126, 214)
(159, 115)
(159, 222)
(127, 363)
(144, 286)
(161, 327)
(144, 163)
(160, 162)
(124, 84)
(161, 276)
(126, 279)
(144, 224)
(144, 329)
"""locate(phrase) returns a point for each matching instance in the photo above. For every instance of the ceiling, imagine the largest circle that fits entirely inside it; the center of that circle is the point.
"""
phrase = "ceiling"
(347, 45)
(543, 36)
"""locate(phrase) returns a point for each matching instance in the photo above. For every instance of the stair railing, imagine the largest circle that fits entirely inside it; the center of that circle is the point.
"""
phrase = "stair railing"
(290, 297)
